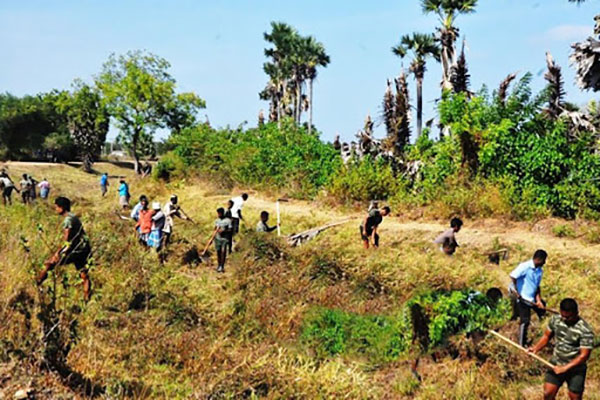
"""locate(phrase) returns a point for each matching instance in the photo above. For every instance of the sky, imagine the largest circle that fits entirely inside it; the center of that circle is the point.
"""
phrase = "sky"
(216, 48)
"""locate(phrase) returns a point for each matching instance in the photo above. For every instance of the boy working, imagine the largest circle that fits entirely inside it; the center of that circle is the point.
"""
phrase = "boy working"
(262, 225)
(236, 214)
(368, 229)
(574, 343)
(76, 250)
(104, 184)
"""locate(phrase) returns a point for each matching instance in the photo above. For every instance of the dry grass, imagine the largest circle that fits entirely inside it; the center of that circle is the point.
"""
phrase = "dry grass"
(203, 335)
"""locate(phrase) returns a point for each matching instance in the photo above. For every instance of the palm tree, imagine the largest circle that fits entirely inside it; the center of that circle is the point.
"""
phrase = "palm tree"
(315, 57)
(421, 45)
(586, 58)
(447, 11)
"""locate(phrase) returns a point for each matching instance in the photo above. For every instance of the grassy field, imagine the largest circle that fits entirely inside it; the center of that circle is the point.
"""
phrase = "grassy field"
(184, 331)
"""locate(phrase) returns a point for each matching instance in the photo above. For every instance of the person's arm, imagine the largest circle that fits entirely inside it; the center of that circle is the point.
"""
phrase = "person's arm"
(271, 228)
(240, 215)
(543, 342)
(516, 274)
(538, 299)
(364, 224)
(584, 355)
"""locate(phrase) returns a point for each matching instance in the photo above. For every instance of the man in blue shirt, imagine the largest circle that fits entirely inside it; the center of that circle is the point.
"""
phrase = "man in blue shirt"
(526, 280)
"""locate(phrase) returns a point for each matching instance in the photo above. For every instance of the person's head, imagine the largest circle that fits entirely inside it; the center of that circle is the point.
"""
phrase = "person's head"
(156, 206)
(229, 204)
(24, 176)
(569, 311)
(122, 181)
(220, 212)
(456, 224)
(494, 295)
(62, 205)
(264, 216)
(386, 211)
(144, 200)
(174, 199)
(539, 258)
(244, 196)
(105, 174)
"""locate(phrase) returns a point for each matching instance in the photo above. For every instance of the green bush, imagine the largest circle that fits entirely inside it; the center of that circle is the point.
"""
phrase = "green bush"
(170, 165)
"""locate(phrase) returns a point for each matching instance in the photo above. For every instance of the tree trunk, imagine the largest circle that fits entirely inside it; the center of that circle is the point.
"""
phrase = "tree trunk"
(134, 146)
(310, 105)
(419, 106)
(87, 163)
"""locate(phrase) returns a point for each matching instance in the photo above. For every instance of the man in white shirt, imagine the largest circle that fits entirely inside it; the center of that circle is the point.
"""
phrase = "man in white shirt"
(7, 186)
(526, 280)
(171, 210)
(236, 214)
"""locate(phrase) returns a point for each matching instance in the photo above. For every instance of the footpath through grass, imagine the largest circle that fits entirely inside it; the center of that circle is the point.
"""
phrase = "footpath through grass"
(183, 331)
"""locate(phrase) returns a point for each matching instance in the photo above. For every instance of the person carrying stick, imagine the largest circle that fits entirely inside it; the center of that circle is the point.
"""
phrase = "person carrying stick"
(574, 343)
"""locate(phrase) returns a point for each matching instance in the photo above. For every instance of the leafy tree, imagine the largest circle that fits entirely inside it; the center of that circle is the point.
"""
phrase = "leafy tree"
(447, 11)
(422, 46)
(87, 120)
(181, 111)
(140, 94)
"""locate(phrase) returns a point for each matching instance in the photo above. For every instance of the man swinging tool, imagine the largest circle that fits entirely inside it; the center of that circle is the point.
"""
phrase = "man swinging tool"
(574, 343)
(526, 280)
(76, 249)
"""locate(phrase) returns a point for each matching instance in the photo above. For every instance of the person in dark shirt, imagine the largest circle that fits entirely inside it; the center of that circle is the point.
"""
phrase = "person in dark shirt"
(76, 249)
(368, 229)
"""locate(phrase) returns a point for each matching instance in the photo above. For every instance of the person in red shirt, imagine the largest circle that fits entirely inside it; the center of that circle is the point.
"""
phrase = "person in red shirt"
(144, 223)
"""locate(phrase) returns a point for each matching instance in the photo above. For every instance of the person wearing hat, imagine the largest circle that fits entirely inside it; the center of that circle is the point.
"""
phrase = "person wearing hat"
(158, 223)
(170, 211)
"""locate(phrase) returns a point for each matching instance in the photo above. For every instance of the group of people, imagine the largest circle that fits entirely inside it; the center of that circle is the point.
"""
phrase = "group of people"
(28, 188)
(154, 225)
(574, 337)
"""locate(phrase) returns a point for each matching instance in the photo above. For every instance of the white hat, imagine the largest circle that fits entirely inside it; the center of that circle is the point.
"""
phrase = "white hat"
(156, 205)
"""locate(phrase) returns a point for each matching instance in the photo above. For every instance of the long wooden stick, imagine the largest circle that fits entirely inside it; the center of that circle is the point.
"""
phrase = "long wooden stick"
(529, 303)
(209, 242)
(523, 349)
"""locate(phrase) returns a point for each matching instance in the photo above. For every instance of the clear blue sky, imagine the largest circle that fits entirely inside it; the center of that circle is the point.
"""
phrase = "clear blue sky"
(216, 47)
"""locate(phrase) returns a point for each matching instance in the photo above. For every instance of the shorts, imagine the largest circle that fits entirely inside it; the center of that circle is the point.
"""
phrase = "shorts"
(79, 259)
(124, 200)
(221, 245)
(575, 378)
(7, 191)
(155, 239)
(103, 189)
(235, 225)
(365, 235)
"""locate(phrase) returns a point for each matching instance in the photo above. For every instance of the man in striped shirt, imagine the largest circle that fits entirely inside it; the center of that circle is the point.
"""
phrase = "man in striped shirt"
(574, 342)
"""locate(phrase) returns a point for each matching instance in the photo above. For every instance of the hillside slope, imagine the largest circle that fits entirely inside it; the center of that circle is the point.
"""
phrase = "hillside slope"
(183, 331)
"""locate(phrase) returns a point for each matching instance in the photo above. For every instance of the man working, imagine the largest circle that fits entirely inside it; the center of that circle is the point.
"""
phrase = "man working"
(144, 222)
(447, 239)
(574, 343)
(172, 210)
(124, 194)
(76, 250)
(44, 186)
(135, 212)
(526, 280)
(7, 186)
(223, 226)
(25, 189)
(262, 225)
(236, 215)
(104, 184)
(368, 229)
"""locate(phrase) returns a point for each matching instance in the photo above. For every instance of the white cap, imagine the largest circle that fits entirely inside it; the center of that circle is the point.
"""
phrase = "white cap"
(156, 205)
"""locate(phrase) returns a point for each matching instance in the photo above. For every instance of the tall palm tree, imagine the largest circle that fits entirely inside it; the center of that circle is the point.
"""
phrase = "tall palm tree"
(315, 57)
(447, 11)
(422, 46)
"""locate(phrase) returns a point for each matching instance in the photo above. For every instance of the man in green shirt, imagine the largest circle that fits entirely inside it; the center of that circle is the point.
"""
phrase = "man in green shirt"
(574, 343)
(368, 228)
(75, 249)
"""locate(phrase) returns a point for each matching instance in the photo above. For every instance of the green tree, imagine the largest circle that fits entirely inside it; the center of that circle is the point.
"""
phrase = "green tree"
(315, 57)
(422, 46)
(447, 11)
(181, 111)
(87, 120)
(139, 91)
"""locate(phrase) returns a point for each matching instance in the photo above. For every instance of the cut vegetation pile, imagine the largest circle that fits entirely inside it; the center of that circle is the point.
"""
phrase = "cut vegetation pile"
(326, 319)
